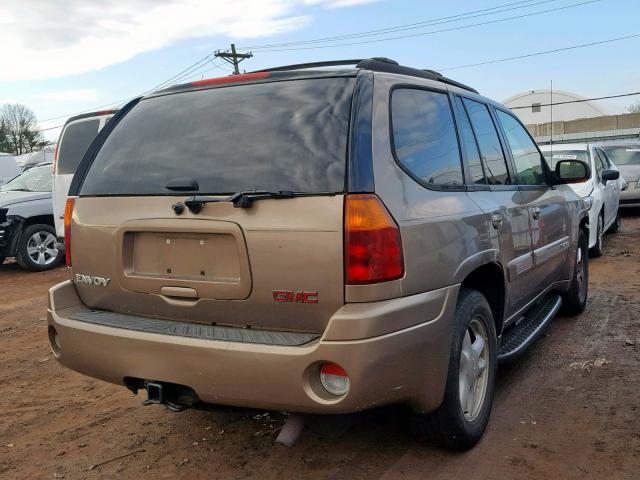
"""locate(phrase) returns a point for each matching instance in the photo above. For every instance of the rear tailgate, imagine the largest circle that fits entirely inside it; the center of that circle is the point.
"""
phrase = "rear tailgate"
(229, 266)
(277, 264)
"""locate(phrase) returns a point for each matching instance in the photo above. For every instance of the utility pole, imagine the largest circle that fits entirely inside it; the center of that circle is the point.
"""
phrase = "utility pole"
(233, 58)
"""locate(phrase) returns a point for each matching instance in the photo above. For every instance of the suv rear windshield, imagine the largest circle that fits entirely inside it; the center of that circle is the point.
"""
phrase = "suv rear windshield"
(75, 140)
(288, 135)
(624, 155)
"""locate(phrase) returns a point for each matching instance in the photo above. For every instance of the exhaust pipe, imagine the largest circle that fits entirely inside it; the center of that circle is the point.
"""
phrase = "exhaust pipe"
(155, 394)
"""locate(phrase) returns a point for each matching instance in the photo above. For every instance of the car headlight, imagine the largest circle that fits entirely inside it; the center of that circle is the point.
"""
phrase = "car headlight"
(588, 201)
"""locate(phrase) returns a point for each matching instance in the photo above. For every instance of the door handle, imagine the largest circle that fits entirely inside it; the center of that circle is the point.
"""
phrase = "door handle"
(536, 213)
(496, 220)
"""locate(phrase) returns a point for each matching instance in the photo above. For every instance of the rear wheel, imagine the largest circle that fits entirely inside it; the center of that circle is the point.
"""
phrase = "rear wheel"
(617, 223)
(460, 421)
(596, 251)
(574, 301)
(37, 248)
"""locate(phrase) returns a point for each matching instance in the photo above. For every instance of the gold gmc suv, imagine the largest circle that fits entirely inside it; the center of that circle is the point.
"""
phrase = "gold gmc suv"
(317, 240)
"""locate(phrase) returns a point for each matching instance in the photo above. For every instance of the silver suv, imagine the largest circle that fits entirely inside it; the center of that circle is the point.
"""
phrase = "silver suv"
(319, 241)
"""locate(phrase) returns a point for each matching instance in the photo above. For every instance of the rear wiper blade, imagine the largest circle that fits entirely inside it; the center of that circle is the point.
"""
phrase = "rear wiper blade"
(245, 198)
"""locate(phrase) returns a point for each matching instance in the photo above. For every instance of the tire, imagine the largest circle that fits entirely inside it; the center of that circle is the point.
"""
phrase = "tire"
(450, 426)
(2, 259)
(574, 301)
(36, 248)
(617, 223)
(596, 251)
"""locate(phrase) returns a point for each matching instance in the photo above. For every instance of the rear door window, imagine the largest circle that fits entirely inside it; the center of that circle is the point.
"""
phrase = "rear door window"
(492, 155)
(471, 145)
(74, 143)
(288, 135)
(424, 136)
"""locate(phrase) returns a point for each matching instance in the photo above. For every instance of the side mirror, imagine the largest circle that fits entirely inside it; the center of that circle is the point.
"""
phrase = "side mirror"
(571, 171)
(609, 175)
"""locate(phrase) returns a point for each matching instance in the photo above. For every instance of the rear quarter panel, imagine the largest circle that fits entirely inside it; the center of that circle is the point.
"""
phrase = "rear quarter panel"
(444, 233)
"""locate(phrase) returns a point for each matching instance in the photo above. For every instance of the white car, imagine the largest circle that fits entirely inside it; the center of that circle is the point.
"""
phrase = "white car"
(601, 193)
(76, 136)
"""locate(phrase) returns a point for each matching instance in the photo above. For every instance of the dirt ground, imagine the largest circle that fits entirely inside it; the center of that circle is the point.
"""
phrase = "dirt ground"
(568, 409)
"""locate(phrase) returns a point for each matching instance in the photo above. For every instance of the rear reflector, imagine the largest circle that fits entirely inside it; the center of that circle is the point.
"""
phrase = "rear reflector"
(334, 379)
(68, 212)
(231, 79)
(373, 248)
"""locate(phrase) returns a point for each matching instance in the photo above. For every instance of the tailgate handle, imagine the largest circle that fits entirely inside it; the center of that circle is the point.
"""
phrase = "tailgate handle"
(181, 292)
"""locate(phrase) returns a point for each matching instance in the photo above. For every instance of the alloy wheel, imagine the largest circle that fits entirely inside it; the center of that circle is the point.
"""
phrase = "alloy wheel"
(41, 248)
(474, 372)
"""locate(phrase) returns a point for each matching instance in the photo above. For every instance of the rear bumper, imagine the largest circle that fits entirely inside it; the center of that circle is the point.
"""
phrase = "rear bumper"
(407, 365)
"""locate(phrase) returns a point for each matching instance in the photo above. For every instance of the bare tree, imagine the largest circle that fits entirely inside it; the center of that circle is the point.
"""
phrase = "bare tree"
(635, 108)
(20, 133)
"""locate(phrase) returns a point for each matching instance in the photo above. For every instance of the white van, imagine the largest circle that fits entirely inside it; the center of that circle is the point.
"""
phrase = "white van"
(76, 136)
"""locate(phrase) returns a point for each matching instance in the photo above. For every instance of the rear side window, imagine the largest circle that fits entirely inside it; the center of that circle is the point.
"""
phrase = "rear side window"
(471, 146)
(424, 136)
(529, 169)
(74, 143)
(288, 135)
(489, 142)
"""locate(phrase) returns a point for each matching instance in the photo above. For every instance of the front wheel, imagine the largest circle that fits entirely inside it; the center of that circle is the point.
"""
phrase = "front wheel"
(575, 300)
(37, 248)
(617, 223)
(596, 251)
(458, 424)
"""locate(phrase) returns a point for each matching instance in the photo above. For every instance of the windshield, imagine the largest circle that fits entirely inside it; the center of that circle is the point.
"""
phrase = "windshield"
(557, 155)
(624, 155)
(36, 179)
(287, 135)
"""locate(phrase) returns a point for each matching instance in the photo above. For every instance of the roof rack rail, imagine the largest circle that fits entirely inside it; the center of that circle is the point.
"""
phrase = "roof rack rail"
(301, 66)
(376, 64)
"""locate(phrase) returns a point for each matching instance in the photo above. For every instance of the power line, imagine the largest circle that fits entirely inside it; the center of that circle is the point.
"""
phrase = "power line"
(432, 32)
(535, 54)
(177, 76)
(579, 101)
(204, 61)
(409, 26)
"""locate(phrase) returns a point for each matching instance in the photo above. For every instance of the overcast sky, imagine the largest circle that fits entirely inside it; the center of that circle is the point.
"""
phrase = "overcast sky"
(60, 57)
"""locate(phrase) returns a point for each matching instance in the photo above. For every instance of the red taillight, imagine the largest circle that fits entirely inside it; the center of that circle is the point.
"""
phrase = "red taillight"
(68, 212)
(231, 79)
(373, 248)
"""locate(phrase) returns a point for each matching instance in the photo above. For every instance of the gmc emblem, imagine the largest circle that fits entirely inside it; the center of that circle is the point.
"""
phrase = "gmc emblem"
(295, 297)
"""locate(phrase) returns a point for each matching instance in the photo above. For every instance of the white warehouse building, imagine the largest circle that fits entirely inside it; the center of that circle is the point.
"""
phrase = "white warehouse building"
(534, 107)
